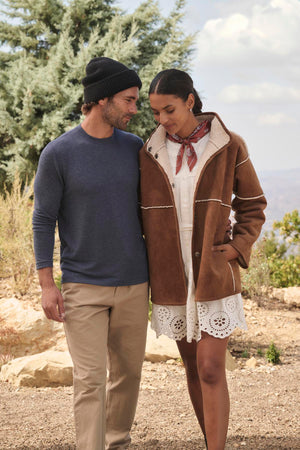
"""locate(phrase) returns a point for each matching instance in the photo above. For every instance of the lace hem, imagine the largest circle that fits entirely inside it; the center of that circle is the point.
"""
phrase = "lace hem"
(218, 318)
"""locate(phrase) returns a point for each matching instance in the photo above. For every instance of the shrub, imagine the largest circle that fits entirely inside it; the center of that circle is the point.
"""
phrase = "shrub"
(260, 352)
(245, 354)
(256, 279)
(16, 240)
(284, 272)
(273, 354)
(275, 260)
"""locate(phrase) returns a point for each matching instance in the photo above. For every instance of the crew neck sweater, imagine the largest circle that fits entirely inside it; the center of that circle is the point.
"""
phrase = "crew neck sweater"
(90, 187)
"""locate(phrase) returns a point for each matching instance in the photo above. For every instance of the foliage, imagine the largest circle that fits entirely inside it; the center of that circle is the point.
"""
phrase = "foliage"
(16, 241)
(275, 259)
(273, 354)
(256, 279)
(245, 353)
(289, 228)
(285, 272)
(57, 280)
(150, 308)
(284, 262)
(50, 43)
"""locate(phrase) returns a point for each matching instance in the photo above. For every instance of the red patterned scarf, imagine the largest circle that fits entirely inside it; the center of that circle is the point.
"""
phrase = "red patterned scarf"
(200, 131)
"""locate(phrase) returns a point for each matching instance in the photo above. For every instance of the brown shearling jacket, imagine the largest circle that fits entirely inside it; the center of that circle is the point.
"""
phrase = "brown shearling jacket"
(223, 170)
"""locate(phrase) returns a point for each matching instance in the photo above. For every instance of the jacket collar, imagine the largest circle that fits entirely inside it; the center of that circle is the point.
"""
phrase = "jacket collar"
(219, 137)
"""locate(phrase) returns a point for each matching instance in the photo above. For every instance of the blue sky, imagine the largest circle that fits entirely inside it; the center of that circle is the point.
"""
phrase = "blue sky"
(246, 67)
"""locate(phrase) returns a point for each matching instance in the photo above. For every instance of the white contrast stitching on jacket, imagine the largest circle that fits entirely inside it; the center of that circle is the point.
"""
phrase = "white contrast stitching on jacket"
(242, 162)
(231, 270)
(157, 207)
(250, 198)
(213, 200)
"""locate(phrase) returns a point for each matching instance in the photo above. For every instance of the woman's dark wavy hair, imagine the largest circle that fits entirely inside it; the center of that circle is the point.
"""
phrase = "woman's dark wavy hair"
(178, 83)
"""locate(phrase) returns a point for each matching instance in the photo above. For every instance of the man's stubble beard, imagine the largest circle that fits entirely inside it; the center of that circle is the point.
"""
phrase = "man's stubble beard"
(113, 117)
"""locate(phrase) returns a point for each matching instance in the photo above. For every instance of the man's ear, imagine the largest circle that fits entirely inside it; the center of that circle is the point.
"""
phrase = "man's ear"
(103, 101)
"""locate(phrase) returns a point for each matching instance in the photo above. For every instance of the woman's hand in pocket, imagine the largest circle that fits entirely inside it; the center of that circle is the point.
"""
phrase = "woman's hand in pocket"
(228, 251)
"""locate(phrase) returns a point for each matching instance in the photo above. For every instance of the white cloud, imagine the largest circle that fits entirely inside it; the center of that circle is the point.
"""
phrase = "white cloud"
(268, 34)
(259, 93)
(275, 119)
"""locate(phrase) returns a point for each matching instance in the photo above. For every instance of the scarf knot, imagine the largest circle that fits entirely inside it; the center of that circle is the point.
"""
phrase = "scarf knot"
(187, 144)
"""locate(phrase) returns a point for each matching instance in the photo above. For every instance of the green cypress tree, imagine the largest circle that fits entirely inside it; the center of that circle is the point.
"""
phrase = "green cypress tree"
(50, 43)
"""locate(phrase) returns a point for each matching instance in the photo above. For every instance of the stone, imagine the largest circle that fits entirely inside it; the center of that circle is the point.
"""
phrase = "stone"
(50, 368)
(26, 331)
(230, 362)
(289, 295)
(251, 363)
(162, 349)
(172, 362)
(155, 358)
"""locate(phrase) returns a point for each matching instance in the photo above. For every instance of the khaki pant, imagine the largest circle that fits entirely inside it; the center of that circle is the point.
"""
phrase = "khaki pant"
(105, 325)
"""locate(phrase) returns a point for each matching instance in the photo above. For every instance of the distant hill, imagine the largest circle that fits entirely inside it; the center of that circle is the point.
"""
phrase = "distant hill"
(282, 190)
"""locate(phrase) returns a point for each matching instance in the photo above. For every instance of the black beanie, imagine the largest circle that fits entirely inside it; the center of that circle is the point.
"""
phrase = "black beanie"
(105, 77)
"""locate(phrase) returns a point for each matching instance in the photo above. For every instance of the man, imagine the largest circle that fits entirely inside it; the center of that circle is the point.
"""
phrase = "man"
(87, 180)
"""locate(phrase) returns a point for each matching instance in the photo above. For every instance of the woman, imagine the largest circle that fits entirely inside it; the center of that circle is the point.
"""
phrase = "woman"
(190, 167)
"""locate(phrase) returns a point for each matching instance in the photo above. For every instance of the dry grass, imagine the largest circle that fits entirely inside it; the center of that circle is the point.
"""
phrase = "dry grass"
(8, 337)
(16, 240)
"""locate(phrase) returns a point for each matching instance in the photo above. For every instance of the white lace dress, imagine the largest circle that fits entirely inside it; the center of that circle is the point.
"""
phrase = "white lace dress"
(218, 317)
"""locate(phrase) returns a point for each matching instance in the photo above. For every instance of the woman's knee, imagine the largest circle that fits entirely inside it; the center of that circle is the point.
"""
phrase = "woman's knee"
(211, 371)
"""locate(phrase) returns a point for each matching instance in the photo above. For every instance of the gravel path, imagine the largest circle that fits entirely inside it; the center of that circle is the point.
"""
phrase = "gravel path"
(264, 400)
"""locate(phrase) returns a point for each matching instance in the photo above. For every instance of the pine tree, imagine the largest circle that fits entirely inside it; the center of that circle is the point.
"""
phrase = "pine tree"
(50, 43)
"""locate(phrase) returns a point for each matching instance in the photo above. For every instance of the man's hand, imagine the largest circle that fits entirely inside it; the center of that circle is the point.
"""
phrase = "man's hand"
(228, 251)
(53, 304)
(52, 300)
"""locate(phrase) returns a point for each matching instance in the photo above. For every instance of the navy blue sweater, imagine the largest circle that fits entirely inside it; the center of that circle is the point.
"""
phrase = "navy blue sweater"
(90, 186)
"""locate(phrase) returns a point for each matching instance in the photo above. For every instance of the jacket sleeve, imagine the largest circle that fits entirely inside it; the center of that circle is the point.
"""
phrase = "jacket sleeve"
(248, 204)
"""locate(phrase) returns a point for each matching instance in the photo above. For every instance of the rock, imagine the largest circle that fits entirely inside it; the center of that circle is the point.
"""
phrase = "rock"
(26, 331)
(164, 348)
(251, 363)
(172, 362)
(290, 295)
(230, 361)
(160, 349)
(50, 368)
(154, 358)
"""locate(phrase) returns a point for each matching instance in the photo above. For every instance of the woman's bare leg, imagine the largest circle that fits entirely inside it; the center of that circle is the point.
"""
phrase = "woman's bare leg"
(211, 355)
(188, 352)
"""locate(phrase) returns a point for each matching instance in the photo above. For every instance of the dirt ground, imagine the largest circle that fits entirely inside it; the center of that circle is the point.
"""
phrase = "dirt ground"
(264, 400)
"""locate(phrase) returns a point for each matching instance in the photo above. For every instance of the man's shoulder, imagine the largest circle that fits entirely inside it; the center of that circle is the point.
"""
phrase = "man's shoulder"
(129, 138)
(60, 145)
(64, 138)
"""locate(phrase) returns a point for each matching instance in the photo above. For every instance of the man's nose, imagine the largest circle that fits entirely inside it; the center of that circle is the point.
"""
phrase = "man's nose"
(133, 108)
